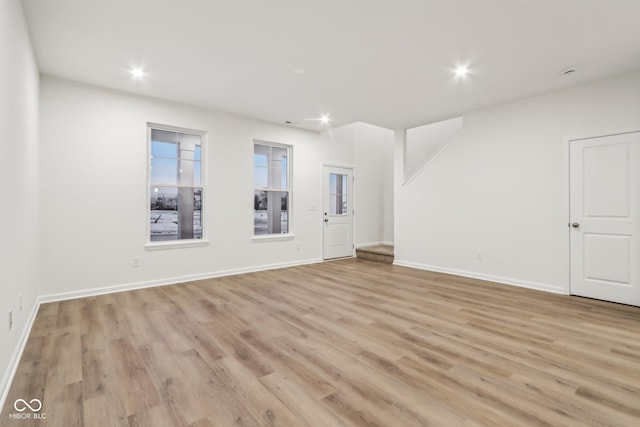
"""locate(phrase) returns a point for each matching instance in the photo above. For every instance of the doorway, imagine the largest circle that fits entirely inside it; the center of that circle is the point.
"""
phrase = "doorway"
(338, 212)
(604, 203)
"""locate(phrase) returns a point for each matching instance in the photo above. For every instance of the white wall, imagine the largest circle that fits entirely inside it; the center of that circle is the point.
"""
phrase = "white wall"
(18, 174)
(501, 186)
(373, 157)
(94, 199)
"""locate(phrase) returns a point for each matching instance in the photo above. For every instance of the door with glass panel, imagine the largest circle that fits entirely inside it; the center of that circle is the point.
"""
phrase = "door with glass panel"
(338, 212)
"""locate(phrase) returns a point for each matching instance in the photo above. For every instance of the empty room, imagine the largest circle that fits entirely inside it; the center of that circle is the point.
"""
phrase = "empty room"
(338, 213)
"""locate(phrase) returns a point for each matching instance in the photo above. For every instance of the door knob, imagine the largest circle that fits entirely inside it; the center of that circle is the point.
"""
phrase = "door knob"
(575, 225)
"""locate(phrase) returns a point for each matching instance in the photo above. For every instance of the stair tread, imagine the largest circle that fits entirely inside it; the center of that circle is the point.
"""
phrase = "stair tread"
(378, 250)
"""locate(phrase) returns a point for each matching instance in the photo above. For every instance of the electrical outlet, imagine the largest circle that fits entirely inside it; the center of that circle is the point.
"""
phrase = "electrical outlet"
(479, 256)
(10, 319)
(297, 246)
(20, 301)
(135, 262)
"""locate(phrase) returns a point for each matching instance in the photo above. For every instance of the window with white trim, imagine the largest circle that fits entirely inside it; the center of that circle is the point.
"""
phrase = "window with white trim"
(272, 188)
(175, 184)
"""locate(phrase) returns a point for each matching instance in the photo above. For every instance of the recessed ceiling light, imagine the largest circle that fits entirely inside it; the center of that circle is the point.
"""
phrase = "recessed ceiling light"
(298, 71)
(137, 73)
(461, 71)
(324, 119)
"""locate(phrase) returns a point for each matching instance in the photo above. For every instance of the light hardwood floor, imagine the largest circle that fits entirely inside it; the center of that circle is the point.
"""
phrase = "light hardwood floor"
(342, 343)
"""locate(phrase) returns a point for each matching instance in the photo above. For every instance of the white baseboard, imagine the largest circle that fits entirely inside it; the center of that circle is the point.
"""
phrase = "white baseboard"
(12, 368)
(388, 243)
(170, 281)
(497, 279)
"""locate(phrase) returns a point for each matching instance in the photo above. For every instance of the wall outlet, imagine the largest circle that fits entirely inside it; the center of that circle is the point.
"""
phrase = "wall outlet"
(135, 262)
(479, 255)
(10, 319)
(20, 301)
(297, 246)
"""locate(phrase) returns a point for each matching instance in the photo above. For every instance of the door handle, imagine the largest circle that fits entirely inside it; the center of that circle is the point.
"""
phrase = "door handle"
(326, 220)
(575, 225)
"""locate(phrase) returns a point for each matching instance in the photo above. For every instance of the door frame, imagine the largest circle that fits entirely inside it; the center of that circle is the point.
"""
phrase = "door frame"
(322, 210)
(566, 178)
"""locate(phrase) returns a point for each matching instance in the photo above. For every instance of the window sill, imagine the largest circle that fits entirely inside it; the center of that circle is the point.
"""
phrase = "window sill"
(273, 238)
(159, 246)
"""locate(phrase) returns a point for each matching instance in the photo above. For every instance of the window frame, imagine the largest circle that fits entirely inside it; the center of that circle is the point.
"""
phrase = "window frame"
(289, 235)
(184, 243)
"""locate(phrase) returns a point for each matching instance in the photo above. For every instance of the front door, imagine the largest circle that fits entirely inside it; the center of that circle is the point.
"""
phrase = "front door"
(605, 218)
(338, 212)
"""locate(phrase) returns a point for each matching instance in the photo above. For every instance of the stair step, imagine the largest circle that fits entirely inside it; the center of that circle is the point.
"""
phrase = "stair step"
(380, 253)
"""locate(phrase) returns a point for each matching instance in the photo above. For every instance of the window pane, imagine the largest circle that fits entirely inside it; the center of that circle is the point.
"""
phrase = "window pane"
(338, 194)
(197, 174)
(260, 217)
(270, 212)
(198, 154)
(283, 197)
(175, 214)
(187, 172)
(164, 149)
(283, 174)
(164, 171)
(260, 177)
(163, 219)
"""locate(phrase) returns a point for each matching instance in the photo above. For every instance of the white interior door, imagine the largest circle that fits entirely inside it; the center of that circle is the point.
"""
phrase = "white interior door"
(605, 216)
(338, 212)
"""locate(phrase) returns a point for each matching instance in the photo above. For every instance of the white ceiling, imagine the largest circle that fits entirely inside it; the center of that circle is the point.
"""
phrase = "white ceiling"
(384, 62)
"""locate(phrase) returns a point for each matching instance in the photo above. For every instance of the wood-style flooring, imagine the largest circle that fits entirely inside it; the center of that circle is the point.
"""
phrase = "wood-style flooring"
(346, 343)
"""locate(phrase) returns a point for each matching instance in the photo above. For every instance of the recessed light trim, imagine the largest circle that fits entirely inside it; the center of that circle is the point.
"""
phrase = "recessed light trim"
(325, 119)
(299, 71)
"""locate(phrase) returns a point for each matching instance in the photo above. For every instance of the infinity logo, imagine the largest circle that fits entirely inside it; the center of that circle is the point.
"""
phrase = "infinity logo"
(25, 405)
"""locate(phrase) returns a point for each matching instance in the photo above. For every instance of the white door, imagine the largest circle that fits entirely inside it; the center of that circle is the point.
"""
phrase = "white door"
(338, 212)
(605, 216)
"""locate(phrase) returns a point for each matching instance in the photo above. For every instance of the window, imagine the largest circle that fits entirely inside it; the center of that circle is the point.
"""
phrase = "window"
(338, 194)
(176, 184)
(272, 189)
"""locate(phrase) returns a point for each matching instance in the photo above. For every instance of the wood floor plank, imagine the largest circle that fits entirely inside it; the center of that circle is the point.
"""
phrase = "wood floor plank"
(344, 343)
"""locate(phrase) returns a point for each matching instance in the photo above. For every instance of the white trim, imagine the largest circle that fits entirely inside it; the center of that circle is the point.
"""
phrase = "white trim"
(497, 279)
(12, 368)
(338, 165)
(368, 245)
(174, 244)
(171, 281)
(272, 237)
(388, 243)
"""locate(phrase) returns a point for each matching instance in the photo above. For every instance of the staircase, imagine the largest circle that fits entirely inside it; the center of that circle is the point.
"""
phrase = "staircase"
(380, 253)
